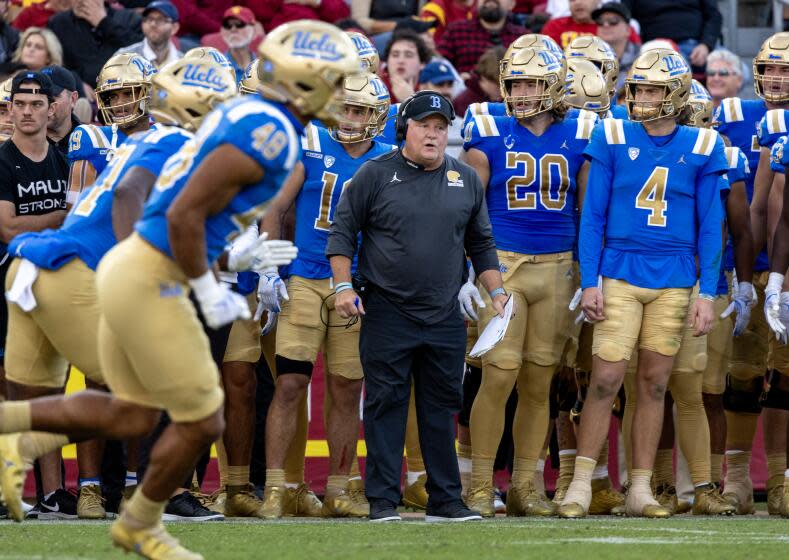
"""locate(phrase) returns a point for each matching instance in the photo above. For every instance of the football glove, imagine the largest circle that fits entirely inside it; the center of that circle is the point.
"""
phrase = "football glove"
(779, 156)
(783, 316)
(743, 300)
(772, 304)
(468, 296)
(220, 305)
(271, 293)
(251, 251)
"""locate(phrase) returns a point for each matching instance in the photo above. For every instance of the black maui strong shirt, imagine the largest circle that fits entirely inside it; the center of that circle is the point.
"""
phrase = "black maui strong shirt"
(34, 188)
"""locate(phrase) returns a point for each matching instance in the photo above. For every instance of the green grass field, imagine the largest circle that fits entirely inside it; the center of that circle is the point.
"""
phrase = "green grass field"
(598, 538)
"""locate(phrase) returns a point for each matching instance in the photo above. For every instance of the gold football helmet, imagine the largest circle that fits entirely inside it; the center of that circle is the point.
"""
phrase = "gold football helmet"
(6, 126)
(774, 52)
(586, 88)
(699, 109)
(304, 63)
(662, 68)
(367, 52)
(185, 91)
(600, 53)
(250, 82)
(532, 41)
(210, 53)
(125, 71)
(367, 92)
(533, 64)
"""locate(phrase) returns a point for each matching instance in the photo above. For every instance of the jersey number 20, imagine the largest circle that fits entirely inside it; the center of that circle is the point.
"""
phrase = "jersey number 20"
(652, 197)
(528, 200)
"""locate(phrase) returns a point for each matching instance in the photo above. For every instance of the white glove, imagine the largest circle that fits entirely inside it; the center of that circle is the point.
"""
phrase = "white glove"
(219, 304)
(468, 296)
(772, 304)
(783, 316)
(271, 293)
(743, 299)
(251, 251)
(577, 300)
(271, 321)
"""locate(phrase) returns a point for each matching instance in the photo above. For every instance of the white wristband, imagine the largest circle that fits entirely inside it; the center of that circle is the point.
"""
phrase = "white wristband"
(205, 287)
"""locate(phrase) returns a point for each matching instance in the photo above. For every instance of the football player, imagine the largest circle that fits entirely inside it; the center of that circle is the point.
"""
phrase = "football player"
(248, 146)
(122, 94)
(750, 351)
(638, 261)
(6, 124)
(307, 319)
(532, 165)
(599, 53)
(63, 261)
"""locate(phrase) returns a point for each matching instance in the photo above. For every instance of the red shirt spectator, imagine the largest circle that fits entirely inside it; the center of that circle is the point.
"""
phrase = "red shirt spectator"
(198, 17)
(446, 12)
(465, 41)
(277, 12)
(564, 29)
(36, 15)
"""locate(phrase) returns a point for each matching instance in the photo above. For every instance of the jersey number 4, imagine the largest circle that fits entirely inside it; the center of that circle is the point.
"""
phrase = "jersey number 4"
(528, 200)
(322, 222)
(652, 197)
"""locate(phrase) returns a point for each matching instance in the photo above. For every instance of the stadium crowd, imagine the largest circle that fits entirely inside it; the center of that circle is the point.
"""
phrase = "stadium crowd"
(560, 107)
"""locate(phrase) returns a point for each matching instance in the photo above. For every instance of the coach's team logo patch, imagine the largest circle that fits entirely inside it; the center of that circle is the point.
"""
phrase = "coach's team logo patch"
(328, 161)
(633, 153)
(453, 179)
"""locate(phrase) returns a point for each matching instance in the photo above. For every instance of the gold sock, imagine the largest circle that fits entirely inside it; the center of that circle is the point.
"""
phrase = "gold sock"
(566, 465)
(413, 453)
(221, 460)
(355, 472)
(664, 467)
(776, 466)
(693, 430)
(275, 477)
(294, 460)
(481, 472)
(141, 512)
(33, 445)
(238, 475)
(523, 470)
(716, 467)
(15, 416)
(738, 464)
(337, 482)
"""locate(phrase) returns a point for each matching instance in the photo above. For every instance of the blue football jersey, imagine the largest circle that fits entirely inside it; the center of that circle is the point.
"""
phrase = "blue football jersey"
(327, 171)
(486, 108)
(263, 130)
(651, 206)
(388, 135)
(739, 121)
(87, 232)
(531, 193)
(771, 127)
(738, 171)
(96, 144)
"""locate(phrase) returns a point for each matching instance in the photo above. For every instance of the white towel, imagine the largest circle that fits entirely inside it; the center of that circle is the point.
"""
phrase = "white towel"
(21, 292)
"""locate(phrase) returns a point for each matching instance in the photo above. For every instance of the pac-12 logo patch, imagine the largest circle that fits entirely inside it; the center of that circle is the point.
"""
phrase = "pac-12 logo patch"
(453, 179)
(633, 153)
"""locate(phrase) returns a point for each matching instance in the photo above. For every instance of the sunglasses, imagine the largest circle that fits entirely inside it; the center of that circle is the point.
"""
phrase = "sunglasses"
(233, 24)
(609, 22)
(721, 73)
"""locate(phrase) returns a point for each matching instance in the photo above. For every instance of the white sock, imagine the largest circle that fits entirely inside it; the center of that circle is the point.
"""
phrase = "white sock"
(464, 465)
(131, 478)
(412, 477)
(567, 452)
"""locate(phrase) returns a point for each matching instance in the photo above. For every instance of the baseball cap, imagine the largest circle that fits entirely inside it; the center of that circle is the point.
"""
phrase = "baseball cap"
(241, 13)
(426, 103)
(43, 81)
(436, 72)
(163, 6)
(616, 7)
(61, 78)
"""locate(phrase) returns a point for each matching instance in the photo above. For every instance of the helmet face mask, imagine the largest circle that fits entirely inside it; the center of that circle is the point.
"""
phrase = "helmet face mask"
(364, 111)
(185, 91)
(663, 77)
(123, 89)
(771, 69)
(541, 76)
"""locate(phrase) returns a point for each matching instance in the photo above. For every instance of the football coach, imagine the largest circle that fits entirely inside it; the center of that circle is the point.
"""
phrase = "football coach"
(420, 213)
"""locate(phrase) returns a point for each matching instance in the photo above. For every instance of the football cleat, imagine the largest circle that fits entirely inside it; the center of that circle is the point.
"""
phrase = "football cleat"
(154, 543)
(13, 471)
(651, 510)
(356, 490)
(218, 501)
(666, 496)
(275, 499)
(523, 500)
(708, 501)
(481, 500)
(604, 498)
(498, 503)
(341, 504)
(243, 504)
(90, 504)
(775, 494)
(741, 499)
(785, 501)
(415, 495)
(302, 502)
(571, 511)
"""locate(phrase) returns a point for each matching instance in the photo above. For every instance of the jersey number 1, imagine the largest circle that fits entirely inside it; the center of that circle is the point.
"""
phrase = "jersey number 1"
(652, 197)
(323, 222)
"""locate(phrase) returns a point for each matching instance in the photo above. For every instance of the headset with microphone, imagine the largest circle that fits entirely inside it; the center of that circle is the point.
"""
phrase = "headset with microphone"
(401, 122)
